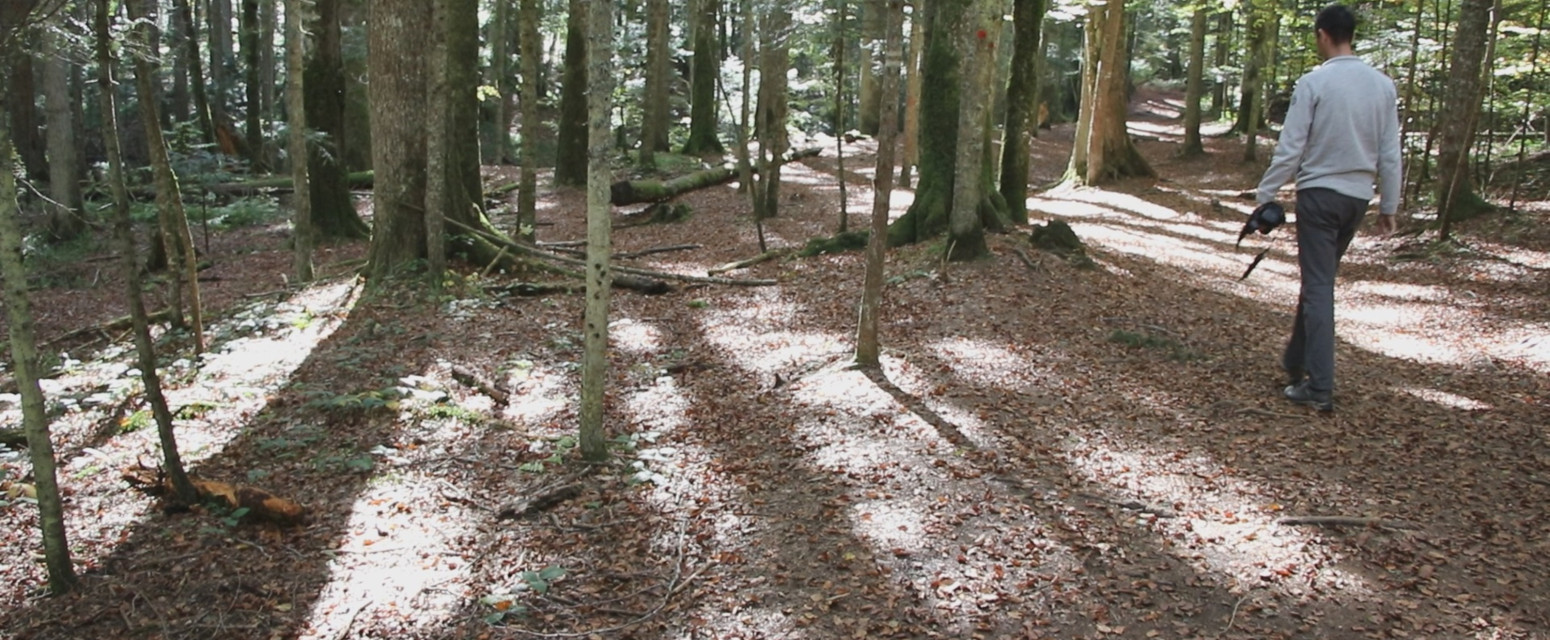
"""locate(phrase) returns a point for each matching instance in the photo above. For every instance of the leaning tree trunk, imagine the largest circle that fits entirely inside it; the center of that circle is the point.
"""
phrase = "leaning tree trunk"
(654, 121)
(594, 370)
(868, 345)
(570, 167)
(176, 239)
(333, 208)
(1021, 107)
(702, 86)
(123, 227)
(1456, 197)
(1195, 86)
(1104, 150)
(527, 197)
(66, 221)
(25, 365)
(295, 107)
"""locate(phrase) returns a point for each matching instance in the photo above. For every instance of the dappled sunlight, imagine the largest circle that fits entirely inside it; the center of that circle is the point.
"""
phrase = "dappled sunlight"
(758, 344)
(634, 336)
(539, 391)
(392, 556)
(1222, 525)
(1445, 399)
(997, 366)
(1116, 203)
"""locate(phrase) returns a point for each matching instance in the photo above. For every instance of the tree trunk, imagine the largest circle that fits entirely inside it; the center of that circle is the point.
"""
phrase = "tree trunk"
(868, 347)
(594, 370)
(1021, 107)
(527, 196)
(24, 363)
(1195, 84)
(177, 46)
(465, 189)
(912, 93)
(1456, 197)
(176, 239)
(1251, 103)
(499, 145)
(267, 65)
(196, 76)
(221, 61)
(26, 129)
(870, 96)
(628, 192)
(570, 166)
(839, 116)
(702, 87)
(333, 211)
(400, 35)
(253, 89)
(928, 215)
(770, 118)
(966, 230)
(1224, 24)
(66, 221)
(123, 228)
(438, 143)
(1109, 152)
(295, 92)
(655, 121)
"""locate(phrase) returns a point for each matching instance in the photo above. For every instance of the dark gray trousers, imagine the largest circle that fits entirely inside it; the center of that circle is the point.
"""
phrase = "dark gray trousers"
(1326, 223)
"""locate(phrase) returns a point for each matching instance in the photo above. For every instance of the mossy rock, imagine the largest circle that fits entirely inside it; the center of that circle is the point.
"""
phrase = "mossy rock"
(1059, 238)
(840, 243)
(665, 212)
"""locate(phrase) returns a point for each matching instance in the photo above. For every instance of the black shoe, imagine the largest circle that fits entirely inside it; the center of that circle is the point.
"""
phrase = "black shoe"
(1301, 394)
(1295, 375)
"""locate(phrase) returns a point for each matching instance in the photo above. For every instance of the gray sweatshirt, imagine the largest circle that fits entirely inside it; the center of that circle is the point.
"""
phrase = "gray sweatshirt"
(1341, 133)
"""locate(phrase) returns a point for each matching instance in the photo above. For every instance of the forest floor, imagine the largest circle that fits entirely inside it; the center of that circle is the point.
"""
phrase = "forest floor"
(1047, 452)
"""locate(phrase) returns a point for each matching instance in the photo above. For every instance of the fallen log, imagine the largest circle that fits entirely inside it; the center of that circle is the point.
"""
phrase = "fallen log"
(618, 269)
(744, 264)
(1347, 521)
(654, 250)
(541, 502)
(119, 324)
(627, 192)
(272, 184)
(252, 503)
(13, 438)
(471, 379)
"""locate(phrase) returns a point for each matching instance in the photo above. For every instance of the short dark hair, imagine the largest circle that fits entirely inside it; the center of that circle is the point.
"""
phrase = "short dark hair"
(1338, 22)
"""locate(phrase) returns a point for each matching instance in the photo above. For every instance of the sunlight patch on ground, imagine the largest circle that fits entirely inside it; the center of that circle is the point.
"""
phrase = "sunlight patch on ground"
(539, 391)
(1224, 525)
(1117, 204)
(634, 336)
(765, 350)
(1450, 400)
(1400, 291)
(392, 556)
(984, 364)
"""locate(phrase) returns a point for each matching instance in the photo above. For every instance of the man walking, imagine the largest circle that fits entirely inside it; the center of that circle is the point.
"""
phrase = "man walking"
(1341, 136)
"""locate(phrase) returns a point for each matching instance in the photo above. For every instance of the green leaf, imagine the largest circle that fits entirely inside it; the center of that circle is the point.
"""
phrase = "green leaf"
(552, 573)
(495, 617)
(239, 512)
(532, 467)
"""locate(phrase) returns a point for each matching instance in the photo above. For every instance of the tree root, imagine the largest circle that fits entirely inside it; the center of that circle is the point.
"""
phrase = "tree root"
(1348, 521)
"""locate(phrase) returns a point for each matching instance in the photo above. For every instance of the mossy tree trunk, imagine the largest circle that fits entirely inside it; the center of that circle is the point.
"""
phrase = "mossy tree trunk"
(570, 168)
(145, 350)
(972, 183)
(594, 371)
(1194, 85)
(1021, 107)
(706, 65)
(1262, 27)
(66, 219)
(333, 209)
(928, 215)
(870, 96)
(770, 114)
(1455, 189)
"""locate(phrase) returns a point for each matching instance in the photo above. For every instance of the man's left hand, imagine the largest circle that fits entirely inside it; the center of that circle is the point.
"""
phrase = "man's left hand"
(1387, 224)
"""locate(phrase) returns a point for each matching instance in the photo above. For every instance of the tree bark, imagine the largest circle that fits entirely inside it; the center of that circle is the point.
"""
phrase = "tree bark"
(253, 88)
(66, 221)
(594, 371)
(26, 129)
(333, 211)
(177, 45)
(267, 65)
(570, 166)
(1104, 150)
(627, 192)
(196, 75)
(966, 230)
(465, 189)
(1195, 85)
(438, 130)
(499, 145)
(702, 87)
(870, 95)
(400, 35)
(527, 196)
(123, 228)
(176, 239)
(1455, 189)
(654, 121)
(912, 93)
(1021, 107)
(868, 347)
(928, 215)
(24, 362)
(770, 118)
(295, 92)
(1261, 43)
(1219, 63)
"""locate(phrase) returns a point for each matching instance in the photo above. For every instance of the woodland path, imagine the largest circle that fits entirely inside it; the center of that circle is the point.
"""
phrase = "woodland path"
(1047, 453)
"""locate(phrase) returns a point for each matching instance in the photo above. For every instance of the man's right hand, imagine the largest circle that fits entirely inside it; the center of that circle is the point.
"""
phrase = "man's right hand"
(1387, 224)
